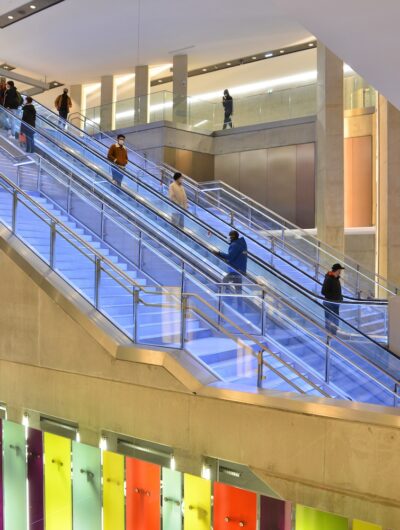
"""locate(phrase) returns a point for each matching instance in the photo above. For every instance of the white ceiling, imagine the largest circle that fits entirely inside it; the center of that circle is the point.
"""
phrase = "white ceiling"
(80, 40)
(364, 33)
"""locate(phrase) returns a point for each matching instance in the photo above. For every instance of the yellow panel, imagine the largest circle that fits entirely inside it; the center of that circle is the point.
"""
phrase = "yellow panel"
(362, 525)
(58, 497)
(197, 503)
(113, 491)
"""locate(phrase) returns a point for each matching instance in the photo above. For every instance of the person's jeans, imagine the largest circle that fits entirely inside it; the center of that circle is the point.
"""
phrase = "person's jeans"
(227, 121)
(332, 310)
(63, 114)
(236, 280)
(30, 141)
(117, 176)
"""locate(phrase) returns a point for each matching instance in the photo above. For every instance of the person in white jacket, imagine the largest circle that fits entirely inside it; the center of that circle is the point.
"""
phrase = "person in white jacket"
(177, 194)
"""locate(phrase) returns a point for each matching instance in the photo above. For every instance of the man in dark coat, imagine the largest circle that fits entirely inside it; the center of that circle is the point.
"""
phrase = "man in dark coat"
(29, 118)
(332, 292)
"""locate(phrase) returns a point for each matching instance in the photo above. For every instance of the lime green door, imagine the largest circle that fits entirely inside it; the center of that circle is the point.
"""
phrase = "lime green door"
(14, 474)
(172, 499)
(86, 487)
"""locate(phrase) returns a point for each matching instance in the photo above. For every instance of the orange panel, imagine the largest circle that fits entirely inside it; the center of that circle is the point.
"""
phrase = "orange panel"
(142, 495)
(358, 181)
(234, 507)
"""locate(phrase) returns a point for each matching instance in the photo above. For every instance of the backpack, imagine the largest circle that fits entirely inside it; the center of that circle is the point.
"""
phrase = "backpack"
(20, 99)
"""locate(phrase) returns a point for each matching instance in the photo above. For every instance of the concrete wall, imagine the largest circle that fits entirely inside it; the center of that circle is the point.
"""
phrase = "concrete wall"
(55, 358)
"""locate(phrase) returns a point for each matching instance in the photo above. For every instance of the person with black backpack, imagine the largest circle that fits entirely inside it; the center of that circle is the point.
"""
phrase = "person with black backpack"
(63, 104)
(12, 101)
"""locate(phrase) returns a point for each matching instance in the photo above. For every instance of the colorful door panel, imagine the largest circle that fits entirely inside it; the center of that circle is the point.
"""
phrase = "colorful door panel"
(197, 501)
(362, 525)
(275, 514)
(310, 519)
(234, 507)
(113, 491)
(35, 479)
(1, 477)
(172, 499)
(14, 476)
(86, 487)
(57, 475)
(142, 495)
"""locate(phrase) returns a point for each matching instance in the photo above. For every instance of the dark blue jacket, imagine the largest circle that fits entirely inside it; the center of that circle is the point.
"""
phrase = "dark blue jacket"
(237, 255)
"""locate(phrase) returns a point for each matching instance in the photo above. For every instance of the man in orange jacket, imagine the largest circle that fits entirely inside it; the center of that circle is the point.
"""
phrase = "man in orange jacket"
(118, 155)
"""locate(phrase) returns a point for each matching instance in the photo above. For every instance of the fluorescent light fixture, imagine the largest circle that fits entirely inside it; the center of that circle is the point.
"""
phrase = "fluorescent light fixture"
(269, 55)
(173, 463)
(77, 437)
(25, 420)
(103, 443)
(206, 472)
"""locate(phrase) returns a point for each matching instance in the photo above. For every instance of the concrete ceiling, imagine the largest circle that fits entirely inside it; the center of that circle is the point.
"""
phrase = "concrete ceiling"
(364, 33)
(78, 41)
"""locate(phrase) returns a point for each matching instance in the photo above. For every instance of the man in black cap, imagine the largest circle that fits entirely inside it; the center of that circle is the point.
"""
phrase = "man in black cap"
(332, 291)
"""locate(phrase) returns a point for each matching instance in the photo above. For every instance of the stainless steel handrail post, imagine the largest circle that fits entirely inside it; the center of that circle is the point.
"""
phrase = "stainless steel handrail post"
(184, 308)
(136, 300)
(358, 292)
(97, 274)
(260, 368)
(52, 242)
(328, 360)
(14, 211)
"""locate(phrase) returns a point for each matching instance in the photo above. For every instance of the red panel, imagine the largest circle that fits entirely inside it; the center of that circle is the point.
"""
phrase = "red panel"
(142, 495)
(234, 508)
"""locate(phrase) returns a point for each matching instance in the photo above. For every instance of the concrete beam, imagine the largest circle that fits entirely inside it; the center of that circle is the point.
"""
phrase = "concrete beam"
(24, 79)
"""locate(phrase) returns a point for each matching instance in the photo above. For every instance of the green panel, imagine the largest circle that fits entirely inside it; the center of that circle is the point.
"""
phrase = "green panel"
(86, 487)
(14, 470)
(310, 519)
(172, 499)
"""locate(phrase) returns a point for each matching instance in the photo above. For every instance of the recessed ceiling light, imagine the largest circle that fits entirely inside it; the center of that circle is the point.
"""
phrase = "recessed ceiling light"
(160, 80)
(228, 64)
(204, 69)
(254, 58)
(311, 44)
(281, 51)
(268, 55)
(10, 17)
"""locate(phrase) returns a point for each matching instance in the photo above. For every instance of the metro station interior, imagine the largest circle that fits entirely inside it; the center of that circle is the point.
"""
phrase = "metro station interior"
(200, 265)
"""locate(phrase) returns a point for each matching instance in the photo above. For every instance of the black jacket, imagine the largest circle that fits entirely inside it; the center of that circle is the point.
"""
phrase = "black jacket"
(29, 114)
(331, 288)
(11, 100)
(227, 102)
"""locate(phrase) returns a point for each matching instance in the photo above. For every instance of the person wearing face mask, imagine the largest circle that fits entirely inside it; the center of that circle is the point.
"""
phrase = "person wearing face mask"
(332, 291)
(227, 103)
(177, 194)
(118, 155)
(236, 257)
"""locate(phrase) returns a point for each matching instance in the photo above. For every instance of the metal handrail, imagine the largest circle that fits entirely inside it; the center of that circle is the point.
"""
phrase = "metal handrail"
(270, 215)
(276, 272)
(138, 287)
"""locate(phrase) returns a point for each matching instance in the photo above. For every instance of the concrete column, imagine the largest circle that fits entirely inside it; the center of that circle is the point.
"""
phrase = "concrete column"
(142, 91)
(388, 215)
(106, 99)
(179, 88)
(330, 148)
(76, 94)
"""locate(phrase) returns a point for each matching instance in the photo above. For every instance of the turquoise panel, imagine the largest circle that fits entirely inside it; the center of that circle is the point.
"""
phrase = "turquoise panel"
(86, 487)
(14, 473)
(172, 499)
